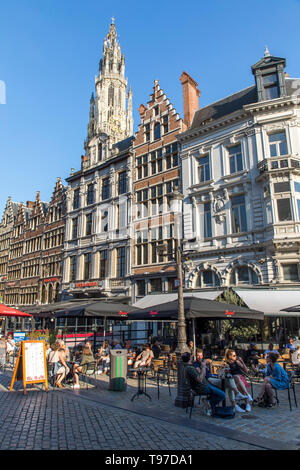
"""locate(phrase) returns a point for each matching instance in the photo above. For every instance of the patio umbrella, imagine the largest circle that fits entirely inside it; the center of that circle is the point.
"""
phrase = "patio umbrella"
(195, 308)
(96, 309)
(12, 312)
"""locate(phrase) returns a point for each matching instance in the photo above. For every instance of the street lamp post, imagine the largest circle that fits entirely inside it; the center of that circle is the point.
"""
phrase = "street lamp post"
(182, 387)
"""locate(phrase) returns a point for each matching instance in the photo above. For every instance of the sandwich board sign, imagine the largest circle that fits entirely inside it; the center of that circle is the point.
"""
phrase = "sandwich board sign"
(31, 365)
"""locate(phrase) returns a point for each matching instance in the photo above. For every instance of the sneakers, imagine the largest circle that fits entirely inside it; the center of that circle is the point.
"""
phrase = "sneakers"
(76, 386)
(248, 407)
(239, 409)
(249, 397)
(239, 396)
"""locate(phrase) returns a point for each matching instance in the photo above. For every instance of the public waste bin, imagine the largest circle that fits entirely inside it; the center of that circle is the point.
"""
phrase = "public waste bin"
(118, 370)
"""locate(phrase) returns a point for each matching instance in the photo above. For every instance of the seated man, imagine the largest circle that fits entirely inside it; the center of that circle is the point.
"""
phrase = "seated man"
(198, 382)
(252, 356)
(144, 358)
(270, 350)
(156, 349)
(214, 379)
(290, 347)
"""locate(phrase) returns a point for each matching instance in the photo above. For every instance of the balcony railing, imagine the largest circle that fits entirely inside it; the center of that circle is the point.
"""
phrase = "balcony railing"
(278, 163)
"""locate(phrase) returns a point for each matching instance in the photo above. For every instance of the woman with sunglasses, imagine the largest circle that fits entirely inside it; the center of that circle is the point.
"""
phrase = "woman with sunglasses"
(237, 369)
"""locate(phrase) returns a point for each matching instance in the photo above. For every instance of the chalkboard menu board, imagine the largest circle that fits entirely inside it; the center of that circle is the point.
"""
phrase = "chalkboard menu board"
(31, 366)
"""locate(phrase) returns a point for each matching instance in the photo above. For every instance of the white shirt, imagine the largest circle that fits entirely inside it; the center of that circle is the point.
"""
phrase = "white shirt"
(10, 346)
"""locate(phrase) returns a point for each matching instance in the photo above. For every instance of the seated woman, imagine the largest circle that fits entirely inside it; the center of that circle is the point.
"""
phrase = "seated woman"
(58, 357)
(296, 357)
(87, 357)
(276, 377)
(104, 357)
(237, 369)
(230, 386)
(130, 353)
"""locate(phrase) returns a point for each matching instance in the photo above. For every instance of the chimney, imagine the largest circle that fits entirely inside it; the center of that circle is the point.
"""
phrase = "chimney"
(190, 97)
(84, 159)
(30, 204)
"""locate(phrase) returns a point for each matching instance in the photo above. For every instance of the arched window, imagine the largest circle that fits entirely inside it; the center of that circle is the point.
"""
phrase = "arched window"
(243, 275)
(207, 278)
(111, 96)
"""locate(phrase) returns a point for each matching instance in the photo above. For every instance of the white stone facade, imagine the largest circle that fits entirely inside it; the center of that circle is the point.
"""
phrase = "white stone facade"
(241, 182)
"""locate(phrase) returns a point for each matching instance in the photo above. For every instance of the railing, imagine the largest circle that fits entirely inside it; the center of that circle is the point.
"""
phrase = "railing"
(277, 163)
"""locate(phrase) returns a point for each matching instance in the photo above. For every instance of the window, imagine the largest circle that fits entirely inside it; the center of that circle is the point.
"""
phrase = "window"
(238, 214)
(207, 220)
(284, 209)
(103, 264)
(104, 221)
(171, 155)
(270, 83)
(142, 166)
(166, 124)
(243, 275)
(121, 259)
(156, 130)
(155, 285)
(76, 199)
(142, 207)
(156, 110)
(147, 132)
(122, 186)
(140, 287)
(87, 266)
(297, 186)
(90, 194)
(111, 96)
(290, 272)
(208, 278)
(100, 152)
(73, 265)
(142, 247)
(282, 187)
(105, 188)
(235, 159)
(278, 145)
(88, 225)
(203, 169)
(156, 161)
(74, 228)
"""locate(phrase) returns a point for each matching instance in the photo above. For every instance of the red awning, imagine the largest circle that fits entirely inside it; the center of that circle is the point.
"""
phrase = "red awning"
(12, 312)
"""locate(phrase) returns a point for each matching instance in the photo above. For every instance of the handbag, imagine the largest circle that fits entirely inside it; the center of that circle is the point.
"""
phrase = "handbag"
(225, 412)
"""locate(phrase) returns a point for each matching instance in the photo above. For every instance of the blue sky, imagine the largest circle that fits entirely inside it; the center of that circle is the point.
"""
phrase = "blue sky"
(50, 52)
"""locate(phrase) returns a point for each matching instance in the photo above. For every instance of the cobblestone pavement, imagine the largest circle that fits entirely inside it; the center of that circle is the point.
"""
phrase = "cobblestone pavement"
(96, 418)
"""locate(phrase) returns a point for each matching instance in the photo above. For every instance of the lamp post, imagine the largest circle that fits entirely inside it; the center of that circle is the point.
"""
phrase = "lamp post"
(182, 387)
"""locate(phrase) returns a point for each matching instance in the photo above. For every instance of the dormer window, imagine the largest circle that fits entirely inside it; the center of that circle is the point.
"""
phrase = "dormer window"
(270, 84)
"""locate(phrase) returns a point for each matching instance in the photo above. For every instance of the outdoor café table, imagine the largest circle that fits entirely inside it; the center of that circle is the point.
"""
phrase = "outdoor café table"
(142, 377)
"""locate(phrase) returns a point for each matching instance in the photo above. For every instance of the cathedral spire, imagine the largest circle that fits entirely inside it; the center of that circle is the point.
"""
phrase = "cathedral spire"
(111, 108)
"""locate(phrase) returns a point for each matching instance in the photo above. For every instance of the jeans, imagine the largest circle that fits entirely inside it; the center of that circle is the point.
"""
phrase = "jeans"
(217, 395)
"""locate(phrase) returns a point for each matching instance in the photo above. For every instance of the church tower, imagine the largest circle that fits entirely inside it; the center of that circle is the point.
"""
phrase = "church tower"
(111, 108)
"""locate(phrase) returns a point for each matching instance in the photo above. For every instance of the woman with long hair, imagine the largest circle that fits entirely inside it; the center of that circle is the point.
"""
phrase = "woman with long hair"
(87, 357)
(237, 369)
(276, 378)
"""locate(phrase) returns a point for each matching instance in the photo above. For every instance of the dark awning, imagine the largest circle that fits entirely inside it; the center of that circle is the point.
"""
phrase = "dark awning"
(195, 308)
(296, 308)
(95, 309)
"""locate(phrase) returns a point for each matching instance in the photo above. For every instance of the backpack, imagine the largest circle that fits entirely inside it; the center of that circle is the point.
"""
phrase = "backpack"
(225, 412)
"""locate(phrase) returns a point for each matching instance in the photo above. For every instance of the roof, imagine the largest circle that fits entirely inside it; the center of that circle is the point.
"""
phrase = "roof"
(235, 102)
(271, 302)
(124, 144)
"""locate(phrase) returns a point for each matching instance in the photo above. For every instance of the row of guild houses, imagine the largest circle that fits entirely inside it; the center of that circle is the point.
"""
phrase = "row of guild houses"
(236, 163)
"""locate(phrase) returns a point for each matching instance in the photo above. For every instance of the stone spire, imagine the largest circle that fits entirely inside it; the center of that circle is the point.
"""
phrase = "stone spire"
(109, 112)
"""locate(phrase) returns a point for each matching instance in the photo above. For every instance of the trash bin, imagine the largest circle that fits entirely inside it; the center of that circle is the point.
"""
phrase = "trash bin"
(118, 370)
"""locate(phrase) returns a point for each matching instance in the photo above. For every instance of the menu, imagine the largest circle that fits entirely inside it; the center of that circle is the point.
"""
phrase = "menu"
(34, 361)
